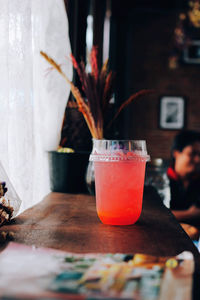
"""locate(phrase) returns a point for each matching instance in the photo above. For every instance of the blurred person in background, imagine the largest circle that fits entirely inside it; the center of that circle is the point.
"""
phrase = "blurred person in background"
(184, 176)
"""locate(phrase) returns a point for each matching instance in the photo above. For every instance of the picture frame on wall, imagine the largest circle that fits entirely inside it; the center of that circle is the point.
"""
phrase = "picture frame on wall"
(172, 112)
(191, 53)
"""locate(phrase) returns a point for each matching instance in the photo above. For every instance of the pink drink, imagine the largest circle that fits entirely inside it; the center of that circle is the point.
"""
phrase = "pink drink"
(119, 167)
(119, 190)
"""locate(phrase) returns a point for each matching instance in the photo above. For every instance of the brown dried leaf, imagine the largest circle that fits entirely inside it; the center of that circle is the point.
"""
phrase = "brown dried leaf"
(127, 102)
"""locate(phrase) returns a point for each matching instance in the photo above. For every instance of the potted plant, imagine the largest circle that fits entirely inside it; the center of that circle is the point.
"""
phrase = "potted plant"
(93, 100)
(68, 164)
(67, 171)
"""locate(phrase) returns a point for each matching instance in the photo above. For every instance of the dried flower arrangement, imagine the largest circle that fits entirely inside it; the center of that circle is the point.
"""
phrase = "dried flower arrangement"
(188, 22)
(6, 210)
(97, 87)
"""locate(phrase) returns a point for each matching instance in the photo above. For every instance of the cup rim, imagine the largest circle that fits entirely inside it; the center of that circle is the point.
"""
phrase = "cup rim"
(119, 140)
(119, 150)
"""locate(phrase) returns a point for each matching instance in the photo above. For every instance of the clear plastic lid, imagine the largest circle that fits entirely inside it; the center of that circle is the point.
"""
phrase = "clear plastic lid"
(119, 150)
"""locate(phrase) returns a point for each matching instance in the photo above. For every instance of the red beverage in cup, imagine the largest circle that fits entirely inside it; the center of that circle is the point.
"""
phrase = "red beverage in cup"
(119, 183)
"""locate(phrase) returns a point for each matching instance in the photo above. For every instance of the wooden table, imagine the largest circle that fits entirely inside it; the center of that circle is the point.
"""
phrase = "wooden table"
(69, 222)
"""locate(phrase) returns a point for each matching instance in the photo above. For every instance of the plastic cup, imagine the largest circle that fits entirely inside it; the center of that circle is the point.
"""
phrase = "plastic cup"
(119, 167)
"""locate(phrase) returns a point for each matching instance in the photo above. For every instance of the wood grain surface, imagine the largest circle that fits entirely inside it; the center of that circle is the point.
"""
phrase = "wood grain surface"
(69, 222)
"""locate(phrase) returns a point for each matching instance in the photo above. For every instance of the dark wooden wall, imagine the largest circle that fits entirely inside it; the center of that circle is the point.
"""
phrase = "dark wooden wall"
(140, 45)
(143, 45)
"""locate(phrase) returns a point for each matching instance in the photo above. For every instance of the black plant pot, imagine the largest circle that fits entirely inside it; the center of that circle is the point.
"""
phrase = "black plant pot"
(68, 171)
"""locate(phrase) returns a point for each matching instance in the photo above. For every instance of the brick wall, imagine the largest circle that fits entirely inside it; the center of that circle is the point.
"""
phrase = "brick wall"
(151, 46)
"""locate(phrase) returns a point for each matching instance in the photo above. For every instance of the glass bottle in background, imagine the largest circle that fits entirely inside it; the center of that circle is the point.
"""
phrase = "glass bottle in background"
(156, 176)
(90, 181)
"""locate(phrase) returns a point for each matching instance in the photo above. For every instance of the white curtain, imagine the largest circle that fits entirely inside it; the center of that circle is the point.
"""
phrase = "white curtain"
(32, 103)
